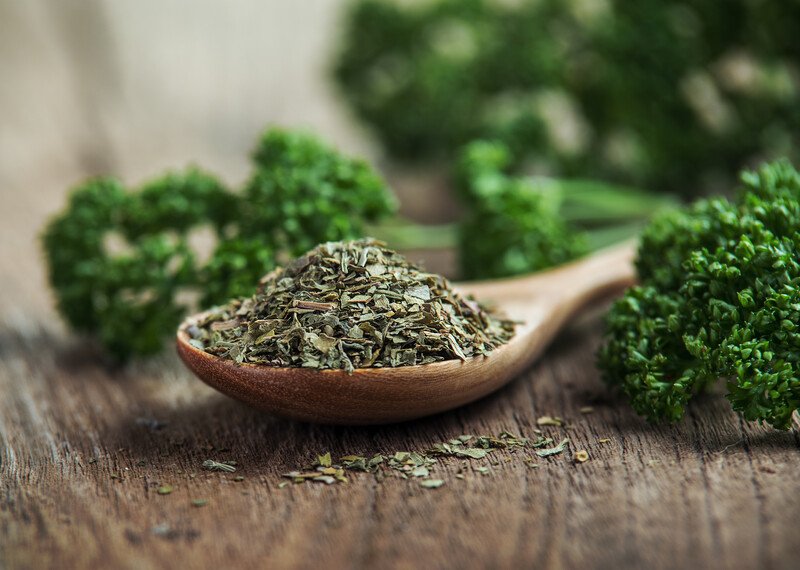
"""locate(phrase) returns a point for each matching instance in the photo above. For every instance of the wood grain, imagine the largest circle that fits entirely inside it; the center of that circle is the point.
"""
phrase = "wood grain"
(84, 447)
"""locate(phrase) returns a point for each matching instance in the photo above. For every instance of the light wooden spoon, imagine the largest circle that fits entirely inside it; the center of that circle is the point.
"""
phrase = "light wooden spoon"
(544, 302)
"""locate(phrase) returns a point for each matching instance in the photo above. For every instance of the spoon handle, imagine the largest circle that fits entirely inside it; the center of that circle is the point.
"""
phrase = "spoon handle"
(605, 272)
(544, 302)
(574, 284)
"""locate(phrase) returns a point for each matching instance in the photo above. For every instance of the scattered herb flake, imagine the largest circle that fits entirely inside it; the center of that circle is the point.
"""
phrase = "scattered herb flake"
(550, 421)
(211, 465)
(420, 471)
(472, 452)
(547, 452)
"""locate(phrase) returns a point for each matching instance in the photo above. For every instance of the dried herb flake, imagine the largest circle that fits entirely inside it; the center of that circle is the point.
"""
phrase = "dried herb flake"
(211, 465)
(547, 452)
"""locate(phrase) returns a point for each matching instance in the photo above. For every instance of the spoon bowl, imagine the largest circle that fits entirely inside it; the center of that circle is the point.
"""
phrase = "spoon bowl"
(543, 303)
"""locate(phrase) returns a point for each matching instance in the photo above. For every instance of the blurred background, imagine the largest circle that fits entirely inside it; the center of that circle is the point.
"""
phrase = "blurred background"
(618, 105)
(133, 88)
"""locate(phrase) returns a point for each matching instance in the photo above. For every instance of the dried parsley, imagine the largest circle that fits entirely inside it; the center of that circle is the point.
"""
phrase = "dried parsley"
(348, 305)
(227, 466)
(550, 421)
(553, 450)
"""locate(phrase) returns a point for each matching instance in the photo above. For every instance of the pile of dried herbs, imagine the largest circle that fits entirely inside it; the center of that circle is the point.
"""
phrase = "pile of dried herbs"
(347, 305)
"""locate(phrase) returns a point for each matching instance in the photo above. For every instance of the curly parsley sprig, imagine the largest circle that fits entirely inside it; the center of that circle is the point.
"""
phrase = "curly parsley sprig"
(668, 96)
(518, 224)
(719, 298)
(513, 224)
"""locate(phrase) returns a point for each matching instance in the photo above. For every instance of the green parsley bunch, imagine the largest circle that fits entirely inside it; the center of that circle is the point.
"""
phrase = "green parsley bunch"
(662, 95)
(301, 193)
(121, 262)
(719, 297)
(512, 224)
(515, 224)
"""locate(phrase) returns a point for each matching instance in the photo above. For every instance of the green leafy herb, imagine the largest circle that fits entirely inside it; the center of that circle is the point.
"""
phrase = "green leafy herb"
(350, 305)
(513, 224)
(309, 194)
(165, 489)
(664, 95)
(127, 298)
(199, 502)
(719, 298)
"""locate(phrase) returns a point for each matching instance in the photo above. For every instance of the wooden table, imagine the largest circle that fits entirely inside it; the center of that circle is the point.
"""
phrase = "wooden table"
(84, 447)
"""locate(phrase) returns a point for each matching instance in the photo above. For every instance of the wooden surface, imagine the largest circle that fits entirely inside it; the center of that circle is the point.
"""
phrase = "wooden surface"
(709, 492)
(84, 447)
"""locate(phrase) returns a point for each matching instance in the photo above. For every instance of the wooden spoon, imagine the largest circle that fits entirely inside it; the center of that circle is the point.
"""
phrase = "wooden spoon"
(544, 302)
